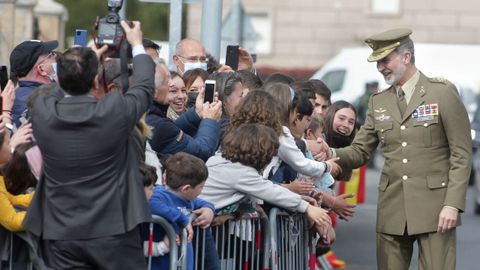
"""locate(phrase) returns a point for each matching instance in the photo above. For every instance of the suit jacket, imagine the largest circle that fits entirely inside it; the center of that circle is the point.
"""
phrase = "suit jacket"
(91, 186)
(427, 155)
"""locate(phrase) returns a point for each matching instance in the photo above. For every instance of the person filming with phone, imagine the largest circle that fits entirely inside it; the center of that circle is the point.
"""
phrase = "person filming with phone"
(90, 199)
(196, 131)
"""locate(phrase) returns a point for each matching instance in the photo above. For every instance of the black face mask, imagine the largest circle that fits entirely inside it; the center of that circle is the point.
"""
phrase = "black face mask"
(341, 140)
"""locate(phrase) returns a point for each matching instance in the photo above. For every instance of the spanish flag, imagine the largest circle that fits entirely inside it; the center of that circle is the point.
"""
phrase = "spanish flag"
(355, 185)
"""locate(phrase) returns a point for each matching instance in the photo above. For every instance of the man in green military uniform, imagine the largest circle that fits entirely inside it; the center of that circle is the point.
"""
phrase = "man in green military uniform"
(424, 133)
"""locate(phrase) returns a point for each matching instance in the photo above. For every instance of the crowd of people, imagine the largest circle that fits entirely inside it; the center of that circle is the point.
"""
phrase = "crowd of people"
(85, 165)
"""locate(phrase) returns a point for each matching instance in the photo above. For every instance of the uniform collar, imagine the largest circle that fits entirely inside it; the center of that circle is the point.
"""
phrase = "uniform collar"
(409, 86)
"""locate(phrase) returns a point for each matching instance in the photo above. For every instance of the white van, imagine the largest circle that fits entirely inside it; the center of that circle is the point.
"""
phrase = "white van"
(347, 73)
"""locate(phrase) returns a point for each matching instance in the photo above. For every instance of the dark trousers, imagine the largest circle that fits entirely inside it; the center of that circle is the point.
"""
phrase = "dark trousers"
(122, 251)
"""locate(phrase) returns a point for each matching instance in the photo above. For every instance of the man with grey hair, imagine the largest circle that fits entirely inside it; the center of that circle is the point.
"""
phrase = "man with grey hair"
(190, 54)
(423, 131)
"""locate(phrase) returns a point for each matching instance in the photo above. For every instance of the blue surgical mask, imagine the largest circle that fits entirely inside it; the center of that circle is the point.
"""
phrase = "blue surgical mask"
(190, 66)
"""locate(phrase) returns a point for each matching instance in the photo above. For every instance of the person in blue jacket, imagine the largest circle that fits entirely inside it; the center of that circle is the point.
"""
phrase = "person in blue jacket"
(195, 132)
(185, 176)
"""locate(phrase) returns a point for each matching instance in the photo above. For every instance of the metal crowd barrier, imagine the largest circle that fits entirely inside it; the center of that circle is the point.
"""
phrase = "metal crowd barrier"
(19, 250)
(292, 244)
(241, 243)
(176, 262)
(251, 242)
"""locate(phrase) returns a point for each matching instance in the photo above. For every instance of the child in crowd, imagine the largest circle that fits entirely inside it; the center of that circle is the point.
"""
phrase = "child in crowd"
(149, 175)
(184, 179)
(235, 176)
(314, 132)
(315, 129)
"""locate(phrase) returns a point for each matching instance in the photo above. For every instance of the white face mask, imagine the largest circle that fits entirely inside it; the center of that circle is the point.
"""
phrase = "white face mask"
(190, 66)
(54, 75)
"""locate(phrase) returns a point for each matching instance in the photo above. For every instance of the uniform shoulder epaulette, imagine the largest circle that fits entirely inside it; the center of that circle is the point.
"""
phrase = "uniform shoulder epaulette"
(379, 91)
(439, 80)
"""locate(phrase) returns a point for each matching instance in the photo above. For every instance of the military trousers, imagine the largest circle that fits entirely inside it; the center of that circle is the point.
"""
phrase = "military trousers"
(437, 251)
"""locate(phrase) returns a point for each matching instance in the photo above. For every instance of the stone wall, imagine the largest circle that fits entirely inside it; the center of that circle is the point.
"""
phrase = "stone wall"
(17, 23)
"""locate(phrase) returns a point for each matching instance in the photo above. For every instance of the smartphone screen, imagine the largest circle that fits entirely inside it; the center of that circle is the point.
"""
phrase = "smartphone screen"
(231, 59)
(3, 77)
(209, 91)
(80, 37)
(191, 99)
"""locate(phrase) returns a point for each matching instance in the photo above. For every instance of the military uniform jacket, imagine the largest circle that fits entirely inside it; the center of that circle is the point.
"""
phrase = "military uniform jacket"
(427, 155)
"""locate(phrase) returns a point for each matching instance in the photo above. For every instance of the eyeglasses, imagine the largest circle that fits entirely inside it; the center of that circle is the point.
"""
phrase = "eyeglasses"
(193, 59)
(48, 56)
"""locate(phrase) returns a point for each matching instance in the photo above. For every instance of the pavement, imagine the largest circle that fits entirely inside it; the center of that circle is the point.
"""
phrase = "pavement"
(356, 238)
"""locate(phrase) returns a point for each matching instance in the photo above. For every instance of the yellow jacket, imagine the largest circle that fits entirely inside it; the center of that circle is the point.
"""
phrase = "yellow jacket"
(9, 217)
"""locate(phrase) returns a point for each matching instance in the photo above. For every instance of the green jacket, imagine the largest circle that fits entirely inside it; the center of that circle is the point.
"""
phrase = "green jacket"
(427, 155)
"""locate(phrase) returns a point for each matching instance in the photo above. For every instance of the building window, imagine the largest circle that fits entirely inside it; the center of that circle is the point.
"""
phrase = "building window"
(385, 6)
(334, 79)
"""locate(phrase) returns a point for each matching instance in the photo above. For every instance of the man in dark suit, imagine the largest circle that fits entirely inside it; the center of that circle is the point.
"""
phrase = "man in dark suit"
(90, 200)
(424, 133)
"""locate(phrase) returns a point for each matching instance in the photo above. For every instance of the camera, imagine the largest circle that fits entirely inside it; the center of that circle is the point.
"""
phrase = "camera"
(109, 30)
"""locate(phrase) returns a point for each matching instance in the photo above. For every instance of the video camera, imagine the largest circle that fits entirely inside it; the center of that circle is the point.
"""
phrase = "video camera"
(109, 30)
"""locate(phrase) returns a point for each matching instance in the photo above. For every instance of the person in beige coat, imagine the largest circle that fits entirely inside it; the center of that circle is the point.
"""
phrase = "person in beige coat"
(424, 133)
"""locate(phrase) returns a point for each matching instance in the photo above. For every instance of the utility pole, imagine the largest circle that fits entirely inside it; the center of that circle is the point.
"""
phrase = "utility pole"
(211, 26)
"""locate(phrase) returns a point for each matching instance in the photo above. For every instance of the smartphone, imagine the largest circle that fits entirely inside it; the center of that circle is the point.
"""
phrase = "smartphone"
(231, 59)
(209, 91)
(191, 99)
(3, 77)
(80, 37)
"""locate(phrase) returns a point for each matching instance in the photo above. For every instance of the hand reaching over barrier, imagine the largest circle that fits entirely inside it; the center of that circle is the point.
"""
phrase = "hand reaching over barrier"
(205, 217)
(321, 220)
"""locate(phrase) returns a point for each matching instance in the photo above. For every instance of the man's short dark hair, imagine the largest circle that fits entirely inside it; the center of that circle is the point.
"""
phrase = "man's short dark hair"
(321, 89)
(77, 69)
(184, 169)
(278, 78)
(250, 80)
(147, 43)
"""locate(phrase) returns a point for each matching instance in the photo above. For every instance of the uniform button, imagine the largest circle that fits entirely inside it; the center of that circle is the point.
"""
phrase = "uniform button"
(404, 160)
(404, 144)
(402, 127)
(404, 177)
(443, 184)
(425, 125)
(381, 130)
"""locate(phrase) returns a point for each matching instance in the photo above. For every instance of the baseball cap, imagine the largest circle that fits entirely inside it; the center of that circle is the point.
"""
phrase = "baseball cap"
(386, 42)
(25, 55)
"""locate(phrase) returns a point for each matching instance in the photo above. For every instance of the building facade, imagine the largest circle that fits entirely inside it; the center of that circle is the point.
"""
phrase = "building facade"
(306, 33)
(22, 20)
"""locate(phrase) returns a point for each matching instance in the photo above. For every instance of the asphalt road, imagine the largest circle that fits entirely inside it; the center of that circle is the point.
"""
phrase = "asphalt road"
(356, 238)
